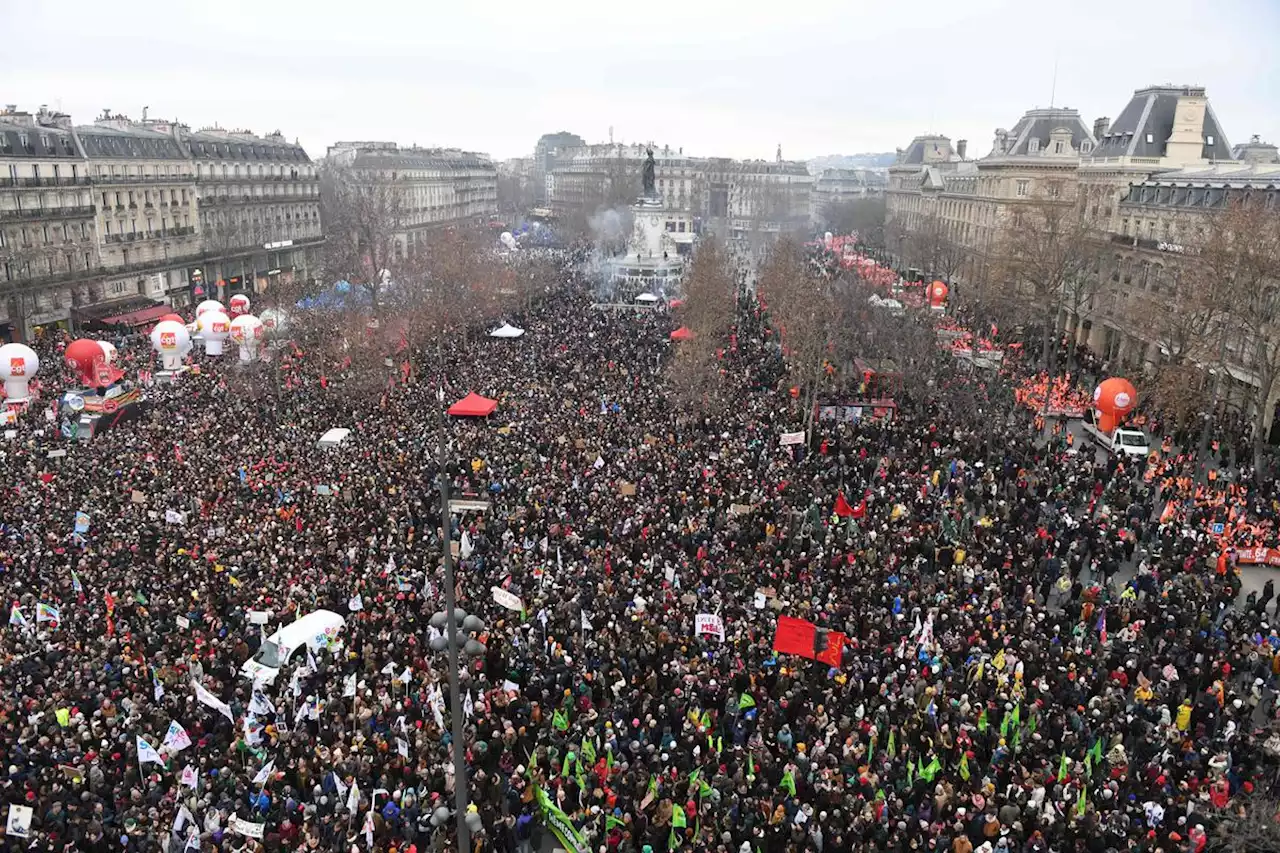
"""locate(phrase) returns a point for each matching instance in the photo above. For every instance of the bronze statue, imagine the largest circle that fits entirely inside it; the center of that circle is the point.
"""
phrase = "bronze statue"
(647, 174)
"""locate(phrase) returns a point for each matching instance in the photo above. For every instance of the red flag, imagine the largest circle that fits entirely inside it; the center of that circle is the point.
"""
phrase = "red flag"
(835, 648)
(177, 453)
(842, 506)
(110, 602)
(405, 370)
(794, 637)
(861, 509)
(404, 342)
(324, 381)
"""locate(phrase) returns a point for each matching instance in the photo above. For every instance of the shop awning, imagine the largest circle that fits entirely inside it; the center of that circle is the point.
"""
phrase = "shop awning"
(137, 318)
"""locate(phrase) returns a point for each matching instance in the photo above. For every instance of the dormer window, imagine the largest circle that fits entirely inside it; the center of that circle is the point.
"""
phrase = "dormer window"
(1208, 140)
(1151, 139)
(1033, 146)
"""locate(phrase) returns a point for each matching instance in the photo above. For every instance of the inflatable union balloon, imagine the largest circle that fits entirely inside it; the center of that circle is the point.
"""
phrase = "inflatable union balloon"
(239, 305)
(246, 330)
(83, 356)
(938, 294)
(214, 327)
(177, 318)
(172, 342)
(18, 364)
(1115, 396)
(207, 306)
(109, 353)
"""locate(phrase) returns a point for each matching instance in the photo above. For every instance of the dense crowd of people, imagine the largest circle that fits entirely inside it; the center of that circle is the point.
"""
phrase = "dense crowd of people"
(1037, 661)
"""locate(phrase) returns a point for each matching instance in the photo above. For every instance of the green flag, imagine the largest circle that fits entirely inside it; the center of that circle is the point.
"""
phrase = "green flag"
(533, 762)
(1082, 804)
(1096, 750)
(1031, 724)
(679, 820)
(911, 772)
(693, 777)
(705, 722)
(1017, 714)
(653, 785)
(788, 783)
(588, 751)
(564, 765)
(139, 598)
(1063, 766)
(703, 790)
(964, 767)
(752, 767)
(982, 720)
(746, 701)
(610, 822)
(560, 720)
(931, 770)
(608, 757)
(893, 742)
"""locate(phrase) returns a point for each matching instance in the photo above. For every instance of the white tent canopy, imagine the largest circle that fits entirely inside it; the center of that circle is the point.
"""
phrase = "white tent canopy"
(646, 298)
(506, 330)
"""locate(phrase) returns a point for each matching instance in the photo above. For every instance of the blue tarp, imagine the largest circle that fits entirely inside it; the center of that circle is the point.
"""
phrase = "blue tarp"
(342, 295)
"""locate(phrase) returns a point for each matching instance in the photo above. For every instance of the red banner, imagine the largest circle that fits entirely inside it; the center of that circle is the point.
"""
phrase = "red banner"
(794, 637)
(835, 648)
(1254, 556)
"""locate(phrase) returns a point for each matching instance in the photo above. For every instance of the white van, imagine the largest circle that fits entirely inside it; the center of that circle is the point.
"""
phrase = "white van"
(1122, 441)
(317, 630)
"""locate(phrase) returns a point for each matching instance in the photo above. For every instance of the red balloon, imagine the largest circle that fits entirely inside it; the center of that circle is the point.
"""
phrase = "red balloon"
(1115, 396)
(938, 293)
(177, 318)
(83, 356)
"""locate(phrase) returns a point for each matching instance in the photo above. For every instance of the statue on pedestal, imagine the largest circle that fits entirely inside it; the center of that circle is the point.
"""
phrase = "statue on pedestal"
(647, 174)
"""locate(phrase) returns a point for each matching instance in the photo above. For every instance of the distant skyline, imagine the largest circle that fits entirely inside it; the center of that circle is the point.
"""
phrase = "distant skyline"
(714, 77)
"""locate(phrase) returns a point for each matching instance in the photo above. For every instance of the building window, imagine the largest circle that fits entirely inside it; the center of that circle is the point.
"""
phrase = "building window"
(1024, 187)
(1033, 145)
(1208, 140)
(1057, 146)
(1151, 139)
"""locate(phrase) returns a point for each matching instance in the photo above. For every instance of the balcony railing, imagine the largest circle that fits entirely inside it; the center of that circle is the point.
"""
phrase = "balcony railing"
(154, 234)
(58, 181)
(47, 213)
(113, 180)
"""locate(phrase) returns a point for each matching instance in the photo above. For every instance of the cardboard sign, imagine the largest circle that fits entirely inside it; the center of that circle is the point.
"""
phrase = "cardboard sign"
(247, 827)
(626, 489)
(259, 617)
(138, 497)
(56, 454)
(183, 622)
(509, 600)
(739, 509)
(708, 623)
(789, 438)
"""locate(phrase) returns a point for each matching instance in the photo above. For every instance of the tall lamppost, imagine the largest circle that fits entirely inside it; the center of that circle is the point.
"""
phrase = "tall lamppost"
(452, 639)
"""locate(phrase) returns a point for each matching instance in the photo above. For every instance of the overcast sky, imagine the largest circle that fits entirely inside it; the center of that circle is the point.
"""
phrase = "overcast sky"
(723, 78)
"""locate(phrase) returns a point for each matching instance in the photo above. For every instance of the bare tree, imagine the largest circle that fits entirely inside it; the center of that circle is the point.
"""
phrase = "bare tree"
(806, 313)
(865, 216)
(1252, 825)
(364, 215)
(1241, 245)
(1045, 260)
(710, 298)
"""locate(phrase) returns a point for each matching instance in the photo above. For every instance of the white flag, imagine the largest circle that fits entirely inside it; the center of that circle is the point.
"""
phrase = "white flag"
(586, 623)
(265, 773)
(368, 828)
(349, 686)
(189, 777)
(19, 823)
(207, 698)
(158, 688)
(406, 676)
(182, 820)
(252, 730)
(467, 546)
(353, 798)
(402, 747)
(390, 668)
(146, 752)
(339, 785)
(355, 603)
(468, 707)
(176, 739)
(437, 706)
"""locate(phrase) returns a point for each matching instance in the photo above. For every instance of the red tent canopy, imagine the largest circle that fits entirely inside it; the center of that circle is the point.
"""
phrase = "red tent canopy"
(473, 406)
(683, 333)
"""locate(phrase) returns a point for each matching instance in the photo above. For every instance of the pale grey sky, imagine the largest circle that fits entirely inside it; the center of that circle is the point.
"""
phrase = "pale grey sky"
(724, 78)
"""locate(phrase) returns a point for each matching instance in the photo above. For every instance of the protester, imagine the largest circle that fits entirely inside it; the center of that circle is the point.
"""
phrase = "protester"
(1036, 661)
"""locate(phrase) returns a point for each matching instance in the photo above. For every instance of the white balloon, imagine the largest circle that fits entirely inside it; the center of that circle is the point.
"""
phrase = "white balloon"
(18, 364)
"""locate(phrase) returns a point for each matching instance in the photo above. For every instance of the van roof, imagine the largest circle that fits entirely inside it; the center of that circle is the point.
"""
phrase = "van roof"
(306, 627)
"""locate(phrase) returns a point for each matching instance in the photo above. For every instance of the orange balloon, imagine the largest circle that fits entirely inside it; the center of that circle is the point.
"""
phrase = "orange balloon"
(1115, 396)
(938, 292)
(1106, 422)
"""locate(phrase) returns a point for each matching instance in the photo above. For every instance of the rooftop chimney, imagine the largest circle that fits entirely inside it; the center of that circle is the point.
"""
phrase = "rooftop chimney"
(962, 145)
(1100, 127)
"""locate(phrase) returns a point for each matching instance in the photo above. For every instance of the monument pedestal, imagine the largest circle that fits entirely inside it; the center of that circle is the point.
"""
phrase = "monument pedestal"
(653, 263)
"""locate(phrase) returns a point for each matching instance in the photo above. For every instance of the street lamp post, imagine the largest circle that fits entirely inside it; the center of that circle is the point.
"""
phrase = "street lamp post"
(451, 619)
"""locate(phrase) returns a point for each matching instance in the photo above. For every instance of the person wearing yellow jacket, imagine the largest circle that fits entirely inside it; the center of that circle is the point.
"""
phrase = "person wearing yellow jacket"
(1184, 716)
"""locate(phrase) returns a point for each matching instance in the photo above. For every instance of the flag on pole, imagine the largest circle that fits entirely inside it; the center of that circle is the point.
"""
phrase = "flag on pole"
(265, 773)
(349, 686)
(560, 720)
(47, 613)
(353, 797)
(339, 785)
(586, 623)
(355, 603)
(1064, 765)
(189, 777)
(176, 739)
(745, 701)
(368, 828)
(146, 752)
(788, 783)
(16, 618)
(207, 698)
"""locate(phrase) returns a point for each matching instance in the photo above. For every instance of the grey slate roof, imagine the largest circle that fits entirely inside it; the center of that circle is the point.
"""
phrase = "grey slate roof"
(408, 158)
(60, 144)
(112, 143)
(914, 155)
(1150, 111)
(1039, 124)
(211, 145)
